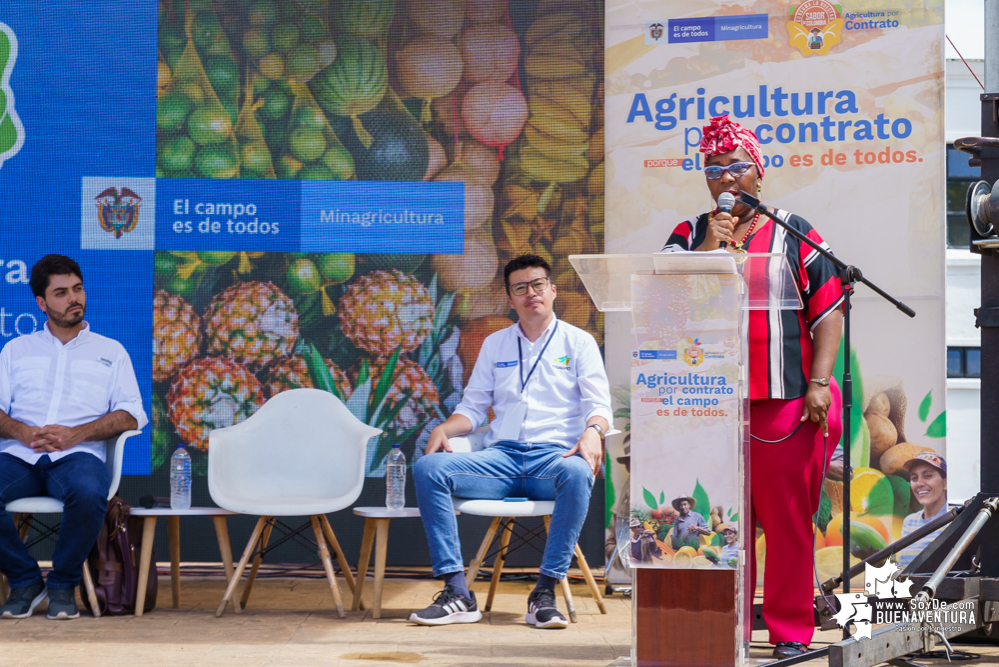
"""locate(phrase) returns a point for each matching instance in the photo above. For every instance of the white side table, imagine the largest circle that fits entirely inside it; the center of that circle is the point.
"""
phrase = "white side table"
(376, 523)
(149, 517)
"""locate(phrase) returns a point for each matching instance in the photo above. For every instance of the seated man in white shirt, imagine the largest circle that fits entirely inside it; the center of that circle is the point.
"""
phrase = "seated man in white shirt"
(63, 391)
(545, 380)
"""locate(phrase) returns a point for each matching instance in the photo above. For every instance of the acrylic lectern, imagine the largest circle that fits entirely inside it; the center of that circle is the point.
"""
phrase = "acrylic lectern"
(687, 534)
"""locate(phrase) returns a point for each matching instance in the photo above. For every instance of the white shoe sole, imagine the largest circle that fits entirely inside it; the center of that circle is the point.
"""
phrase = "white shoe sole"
(457, 617)
(63, 616)
(553, 623)
(31, 610)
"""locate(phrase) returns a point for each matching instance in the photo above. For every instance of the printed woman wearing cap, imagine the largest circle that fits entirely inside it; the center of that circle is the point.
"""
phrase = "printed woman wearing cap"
(928, 481)
(791, 358)
(730, 533)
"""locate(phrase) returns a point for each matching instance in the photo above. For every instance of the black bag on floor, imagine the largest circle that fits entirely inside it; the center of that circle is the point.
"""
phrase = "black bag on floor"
(114, 564)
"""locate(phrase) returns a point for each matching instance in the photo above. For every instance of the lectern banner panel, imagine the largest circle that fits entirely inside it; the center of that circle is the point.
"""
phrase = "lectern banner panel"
(687, 480)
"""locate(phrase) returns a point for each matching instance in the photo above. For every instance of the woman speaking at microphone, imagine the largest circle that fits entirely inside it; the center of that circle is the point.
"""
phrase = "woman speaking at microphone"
(791, 388)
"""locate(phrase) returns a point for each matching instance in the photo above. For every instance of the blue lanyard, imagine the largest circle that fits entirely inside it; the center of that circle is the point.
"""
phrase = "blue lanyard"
(520, 357)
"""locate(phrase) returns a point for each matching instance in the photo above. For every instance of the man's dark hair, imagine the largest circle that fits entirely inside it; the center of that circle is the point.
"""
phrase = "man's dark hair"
(524, 262)
(52, 265)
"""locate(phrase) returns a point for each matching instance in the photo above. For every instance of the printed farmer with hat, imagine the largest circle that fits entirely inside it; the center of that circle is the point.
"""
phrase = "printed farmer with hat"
(643, 543)
(689, 525)
(928, 481)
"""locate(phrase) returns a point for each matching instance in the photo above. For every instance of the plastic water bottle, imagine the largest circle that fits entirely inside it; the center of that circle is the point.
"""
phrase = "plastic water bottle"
(180, 479)
(395, 479)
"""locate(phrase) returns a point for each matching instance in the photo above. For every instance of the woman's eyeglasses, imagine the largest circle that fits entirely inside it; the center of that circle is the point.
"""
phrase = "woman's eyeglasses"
(539, 285)
(737, 169)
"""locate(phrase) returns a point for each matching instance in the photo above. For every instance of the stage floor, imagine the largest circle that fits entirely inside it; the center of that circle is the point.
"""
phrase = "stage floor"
(293, 623)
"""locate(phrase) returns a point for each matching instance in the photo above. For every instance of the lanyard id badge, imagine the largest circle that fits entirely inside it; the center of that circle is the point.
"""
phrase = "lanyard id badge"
(516, 413)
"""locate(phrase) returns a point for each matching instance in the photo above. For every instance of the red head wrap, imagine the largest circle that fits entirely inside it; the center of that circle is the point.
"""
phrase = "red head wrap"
(722, 136)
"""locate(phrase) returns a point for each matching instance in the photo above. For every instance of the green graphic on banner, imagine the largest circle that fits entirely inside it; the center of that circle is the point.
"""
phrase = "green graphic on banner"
(11, 131)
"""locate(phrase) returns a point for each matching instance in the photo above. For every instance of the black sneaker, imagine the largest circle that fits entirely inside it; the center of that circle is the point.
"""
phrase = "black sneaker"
(62, 604)
(789, 649)
(542, 611)
(449, 606)
(22, 601)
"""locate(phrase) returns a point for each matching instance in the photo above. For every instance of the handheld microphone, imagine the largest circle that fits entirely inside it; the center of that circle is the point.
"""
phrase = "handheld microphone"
(726, 201)
(151, 502)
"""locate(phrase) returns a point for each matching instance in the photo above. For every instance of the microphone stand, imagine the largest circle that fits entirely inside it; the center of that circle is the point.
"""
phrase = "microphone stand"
(849, 276)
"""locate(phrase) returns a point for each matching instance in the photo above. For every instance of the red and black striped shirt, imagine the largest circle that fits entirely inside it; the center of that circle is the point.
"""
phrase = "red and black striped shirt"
(781, 337)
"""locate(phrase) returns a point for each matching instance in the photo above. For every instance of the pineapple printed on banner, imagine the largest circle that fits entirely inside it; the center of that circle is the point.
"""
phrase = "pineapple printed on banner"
(252, 323)
(232, 329)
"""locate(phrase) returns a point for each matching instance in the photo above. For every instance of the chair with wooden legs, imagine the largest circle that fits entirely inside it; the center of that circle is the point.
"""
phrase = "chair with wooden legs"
(301, 454)
(505, 515)
(23, 509)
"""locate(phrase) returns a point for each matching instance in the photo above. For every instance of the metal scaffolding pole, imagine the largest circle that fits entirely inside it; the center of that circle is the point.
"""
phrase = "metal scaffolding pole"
(990, 299)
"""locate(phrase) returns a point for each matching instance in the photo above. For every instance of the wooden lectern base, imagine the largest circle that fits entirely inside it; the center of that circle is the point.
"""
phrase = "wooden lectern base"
(685, 618)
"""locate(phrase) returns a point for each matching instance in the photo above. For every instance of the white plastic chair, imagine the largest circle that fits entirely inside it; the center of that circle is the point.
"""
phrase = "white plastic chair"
(23, 508)
(301, 454)
(505, 515)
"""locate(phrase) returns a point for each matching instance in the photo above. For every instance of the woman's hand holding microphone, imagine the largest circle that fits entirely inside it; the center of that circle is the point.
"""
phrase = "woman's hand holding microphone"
(721, 225)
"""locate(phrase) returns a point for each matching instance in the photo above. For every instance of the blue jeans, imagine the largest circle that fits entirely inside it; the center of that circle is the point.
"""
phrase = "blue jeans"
(535, 471)
(81, 481)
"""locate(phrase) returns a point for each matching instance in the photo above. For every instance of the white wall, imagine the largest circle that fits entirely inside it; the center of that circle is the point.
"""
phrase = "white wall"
(963, 114)
(962, 106)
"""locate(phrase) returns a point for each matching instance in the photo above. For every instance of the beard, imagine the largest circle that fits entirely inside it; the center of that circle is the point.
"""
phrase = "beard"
(68, 318)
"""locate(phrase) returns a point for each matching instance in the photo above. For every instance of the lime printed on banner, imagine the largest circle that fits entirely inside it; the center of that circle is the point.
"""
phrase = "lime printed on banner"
(11, 130)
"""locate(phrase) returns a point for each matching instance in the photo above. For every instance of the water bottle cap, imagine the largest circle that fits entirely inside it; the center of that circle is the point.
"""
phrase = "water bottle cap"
(181, 446)
(396, 446)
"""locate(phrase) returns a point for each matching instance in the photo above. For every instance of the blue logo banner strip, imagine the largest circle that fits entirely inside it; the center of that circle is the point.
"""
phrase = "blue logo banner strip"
(310, 216)
(718, 28)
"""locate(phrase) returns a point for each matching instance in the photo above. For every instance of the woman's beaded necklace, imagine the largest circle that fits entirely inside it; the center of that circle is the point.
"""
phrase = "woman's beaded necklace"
(752, 226)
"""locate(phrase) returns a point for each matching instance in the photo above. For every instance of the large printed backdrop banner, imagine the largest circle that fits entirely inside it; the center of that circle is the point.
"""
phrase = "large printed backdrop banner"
(847, 101)
(270, 194)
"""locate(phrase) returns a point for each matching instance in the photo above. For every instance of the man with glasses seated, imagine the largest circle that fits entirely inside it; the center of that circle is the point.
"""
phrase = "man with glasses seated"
(545, 381)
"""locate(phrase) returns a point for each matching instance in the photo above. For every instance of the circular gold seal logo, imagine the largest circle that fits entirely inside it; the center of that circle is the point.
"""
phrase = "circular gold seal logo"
(815, 14)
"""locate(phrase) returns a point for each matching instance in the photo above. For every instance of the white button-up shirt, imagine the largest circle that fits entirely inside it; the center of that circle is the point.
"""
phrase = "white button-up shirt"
(568, 387)
(43, 382)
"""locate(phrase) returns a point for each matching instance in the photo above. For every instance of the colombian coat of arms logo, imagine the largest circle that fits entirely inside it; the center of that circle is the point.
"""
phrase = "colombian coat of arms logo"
(118, 211)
